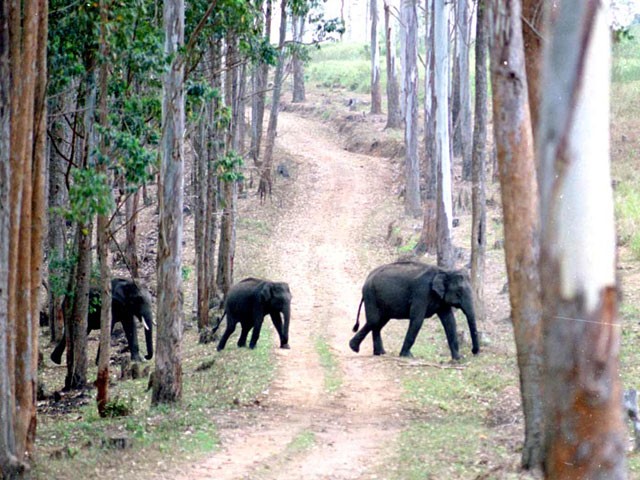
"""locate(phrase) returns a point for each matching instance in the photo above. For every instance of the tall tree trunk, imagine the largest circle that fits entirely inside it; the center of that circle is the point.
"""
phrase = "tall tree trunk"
(376, 93)
(532, 28)
(428, 241)
(260, 76)
(200, 191)
(265, 186)
(226, 252)
(102, 381)
(512, 130)
(412, 204)
(462, 121)
(394, 112)
(478, 194)
(443, 155)
(585, 435)
(56, 241)
(298, 24)
(167, 378)
(8, 455)
(131, 206)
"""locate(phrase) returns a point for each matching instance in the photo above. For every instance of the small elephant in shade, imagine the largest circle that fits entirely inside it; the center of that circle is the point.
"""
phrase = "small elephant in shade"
(414, 290)
(128, 301)
(248, 302)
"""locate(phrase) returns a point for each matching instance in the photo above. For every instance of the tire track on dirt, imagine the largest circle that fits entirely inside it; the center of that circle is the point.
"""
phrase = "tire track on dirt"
(334, 194)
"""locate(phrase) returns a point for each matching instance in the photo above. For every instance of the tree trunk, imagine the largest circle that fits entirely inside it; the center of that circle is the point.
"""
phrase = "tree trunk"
(76, 324)
(131, 206)
(462, 121)
(265, 186)
(394, 113)
(260, 76)
(56, 241)
(585, 434)
(443, 155)
(167, 378)
(532, 28)
(478, 194)
(102, 381)
(8, 456)
(512, 131)
(412, 164)
(298, 24)
(376, 93)
(199, 180)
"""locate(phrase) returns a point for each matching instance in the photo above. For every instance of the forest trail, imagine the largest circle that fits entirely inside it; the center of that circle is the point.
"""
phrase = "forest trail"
(315, 422)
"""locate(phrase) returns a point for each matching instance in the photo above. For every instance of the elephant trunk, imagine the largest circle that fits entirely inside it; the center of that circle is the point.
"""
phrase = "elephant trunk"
(286, 314)
(147, 324)
(469, 312)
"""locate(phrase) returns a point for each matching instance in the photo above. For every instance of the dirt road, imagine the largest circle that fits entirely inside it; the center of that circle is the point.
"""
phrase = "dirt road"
(303, 430)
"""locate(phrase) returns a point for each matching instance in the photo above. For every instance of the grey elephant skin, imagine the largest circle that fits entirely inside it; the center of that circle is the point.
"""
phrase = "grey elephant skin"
(415, 291)
(127, 302)
(248, 302)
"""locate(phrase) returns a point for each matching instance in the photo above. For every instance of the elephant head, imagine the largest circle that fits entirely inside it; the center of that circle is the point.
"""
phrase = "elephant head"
(276, 297)
(454, 288)
(129, 300)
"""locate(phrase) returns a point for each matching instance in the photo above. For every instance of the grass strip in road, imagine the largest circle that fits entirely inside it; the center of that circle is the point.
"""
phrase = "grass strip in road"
(330, 365)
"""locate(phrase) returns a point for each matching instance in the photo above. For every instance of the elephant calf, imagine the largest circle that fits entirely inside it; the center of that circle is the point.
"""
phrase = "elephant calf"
(414, 290)
(248, 302)
(127, 302)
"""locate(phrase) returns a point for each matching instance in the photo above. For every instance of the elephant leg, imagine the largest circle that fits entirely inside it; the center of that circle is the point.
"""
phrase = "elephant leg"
(372, 319)
(277, 322)
(378, 348)
(129, 324)
(448, 321)
(415, 324)
(231, 327)
(360, 335)
(244, 333)
(56, 355)
(255, 335)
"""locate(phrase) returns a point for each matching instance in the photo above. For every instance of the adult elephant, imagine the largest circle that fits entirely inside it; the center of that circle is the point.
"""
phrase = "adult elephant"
(248, 302)
(127, 302)
(414, 290)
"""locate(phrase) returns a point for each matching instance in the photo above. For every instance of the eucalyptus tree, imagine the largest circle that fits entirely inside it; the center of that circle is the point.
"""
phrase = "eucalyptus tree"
(443, 157)
(394, 112)
(585, 434)
(167, 377)
(408, 10)
(519, 191)
(478, 165)
(376, 93)
(23, 33)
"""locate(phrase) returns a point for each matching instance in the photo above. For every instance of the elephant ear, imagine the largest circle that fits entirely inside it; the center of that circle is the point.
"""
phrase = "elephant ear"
(266, 292)
(438, 285)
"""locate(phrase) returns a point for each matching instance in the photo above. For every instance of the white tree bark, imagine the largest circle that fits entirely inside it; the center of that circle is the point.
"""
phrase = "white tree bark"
(376, 94)
(443, 149)
(167, 383)
(412, 163)
(585, 434)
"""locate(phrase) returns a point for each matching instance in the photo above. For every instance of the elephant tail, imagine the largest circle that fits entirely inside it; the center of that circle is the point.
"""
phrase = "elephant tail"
(357, 325)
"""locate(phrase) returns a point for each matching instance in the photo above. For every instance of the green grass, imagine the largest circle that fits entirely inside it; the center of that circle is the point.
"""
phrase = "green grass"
(330, 365)
(303, 441)
(73, 448)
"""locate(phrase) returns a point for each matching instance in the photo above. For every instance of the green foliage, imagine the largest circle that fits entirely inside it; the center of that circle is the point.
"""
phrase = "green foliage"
(229, 167)
(117, 407)
(89, 195)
